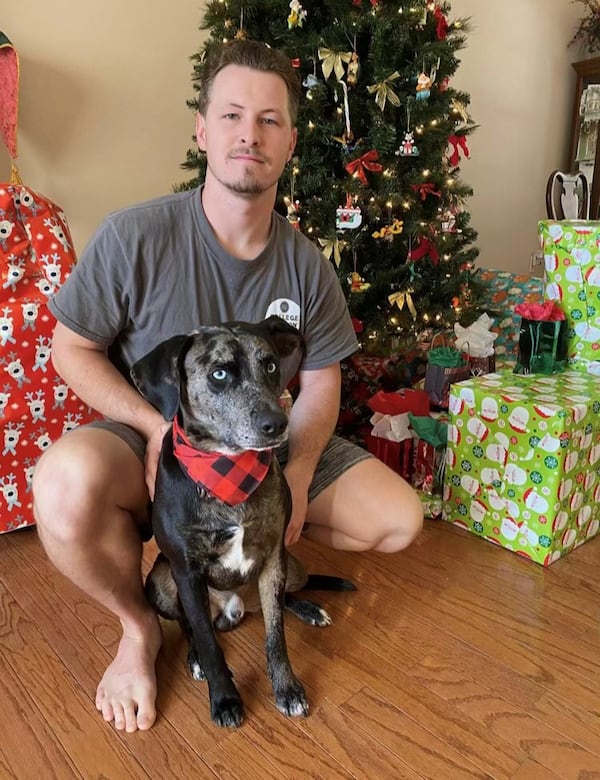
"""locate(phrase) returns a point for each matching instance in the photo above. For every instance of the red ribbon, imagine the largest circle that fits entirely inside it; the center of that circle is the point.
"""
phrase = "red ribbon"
(424, 248)
(425, 189)
(442, 25)
(357, 167)
(457, 142)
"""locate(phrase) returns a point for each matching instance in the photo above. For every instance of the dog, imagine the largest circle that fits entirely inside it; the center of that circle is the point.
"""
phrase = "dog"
(219, 537)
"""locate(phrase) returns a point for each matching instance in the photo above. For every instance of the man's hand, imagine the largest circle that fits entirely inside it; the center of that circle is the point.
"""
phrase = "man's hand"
(298, 518)
(153, 448)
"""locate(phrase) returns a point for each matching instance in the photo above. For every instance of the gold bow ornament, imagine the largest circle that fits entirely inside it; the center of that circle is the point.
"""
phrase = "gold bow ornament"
(401, 299)
(333, 247)
(383, 91)
(334, 61)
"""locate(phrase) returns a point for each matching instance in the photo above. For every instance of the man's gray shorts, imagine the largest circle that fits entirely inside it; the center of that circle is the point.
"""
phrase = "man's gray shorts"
(338, 456)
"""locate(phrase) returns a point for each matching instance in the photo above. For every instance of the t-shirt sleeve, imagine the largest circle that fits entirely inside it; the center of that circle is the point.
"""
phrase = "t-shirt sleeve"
(328, 332)
(93, 301)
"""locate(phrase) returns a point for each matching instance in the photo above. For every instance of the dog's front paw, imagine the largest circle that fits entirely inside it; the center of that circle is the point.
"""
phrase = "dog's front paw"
(228, 711)
(292, 700)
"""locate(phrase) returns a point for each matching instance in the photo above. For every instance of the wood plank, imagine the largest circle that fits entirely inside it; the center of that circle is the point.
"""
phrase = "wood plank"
(529, 736)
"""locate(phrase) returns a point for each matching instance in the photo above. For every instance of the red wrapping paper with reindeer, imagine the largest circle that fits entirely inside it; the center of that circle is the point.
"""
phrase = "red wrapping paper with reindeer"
(36, 255)
(36, 407)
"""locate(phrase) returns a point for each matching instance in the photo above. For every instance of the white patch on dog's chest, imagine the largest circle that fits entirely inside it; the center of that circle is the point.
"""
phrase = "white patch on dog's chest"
(234, 558)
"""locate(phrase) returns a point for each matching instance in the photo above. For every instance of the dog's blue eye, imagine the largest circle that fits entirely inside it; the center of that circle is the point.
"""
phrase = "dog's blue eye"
(220, 375)
(271, 368)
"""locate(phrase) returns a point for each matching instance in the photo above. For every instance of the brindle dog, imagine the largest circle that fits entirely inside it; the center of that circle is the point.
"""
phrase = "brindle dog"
(222, 386)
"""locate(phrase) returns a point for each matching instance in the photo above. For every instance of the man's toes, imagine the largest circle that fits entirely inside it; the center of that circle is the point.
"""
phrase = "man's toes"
(107, 710)
(119, 717)
(130, 717)
(146, 715)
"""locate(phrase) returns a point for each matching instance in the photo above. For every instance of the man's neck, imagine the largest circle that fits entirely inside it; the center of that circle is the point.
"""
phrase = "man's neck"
(241, 225)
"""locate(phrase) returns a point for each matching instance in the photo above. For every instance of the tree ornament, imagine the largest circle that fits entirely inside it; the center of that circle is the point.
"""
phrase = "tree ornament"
(458, 143)
(425, 82)
(297, 15)
(333, 246)
(292, 214)
(424, 248)
(402, 299)
(441, 29)
(353, 70)
(368, 160)
(241, 33)
(384, 92)
(389, 231)
(357, 283)
(348, 217)
(333, 61)
(408, 147)
(425, 189)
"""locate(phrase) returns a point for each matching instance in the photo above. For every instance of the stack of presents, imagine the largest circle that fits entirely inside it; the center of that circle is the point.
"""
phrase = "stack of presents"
(511, 453)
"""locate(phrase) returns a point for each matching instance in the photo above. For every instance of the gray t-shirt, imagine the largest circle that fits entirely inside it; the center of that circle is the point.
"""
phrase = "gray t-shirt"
(156, 270)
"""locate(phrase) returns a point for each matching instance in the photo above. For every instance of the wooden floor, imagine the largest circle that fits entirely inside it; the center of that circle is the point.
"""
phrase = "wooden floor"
(455, 659)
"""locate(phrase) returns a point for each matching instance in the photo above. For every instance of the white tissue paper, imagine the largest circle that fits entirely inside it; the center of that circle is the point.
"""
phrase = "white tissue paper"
(393, 427)
(477, 340)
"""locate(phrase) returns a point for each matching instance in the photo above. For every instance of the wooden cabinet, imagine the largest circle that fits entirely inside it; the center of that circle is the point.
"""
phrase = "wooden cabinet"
(584, 152)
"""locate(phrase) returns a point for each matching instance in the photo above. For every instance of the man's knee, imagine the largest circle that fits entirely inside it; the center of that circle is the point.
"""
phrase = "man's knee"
(64, 486)
(406, 525)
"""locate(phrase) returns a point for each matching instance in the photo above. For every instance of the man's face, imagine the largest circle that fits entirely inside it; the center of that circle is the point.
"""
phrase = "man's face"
(246, 133)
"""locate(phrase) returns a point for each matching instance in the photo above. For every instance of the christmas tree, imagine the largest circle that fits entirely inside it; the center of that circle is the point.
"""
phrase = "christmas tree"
(375, 180)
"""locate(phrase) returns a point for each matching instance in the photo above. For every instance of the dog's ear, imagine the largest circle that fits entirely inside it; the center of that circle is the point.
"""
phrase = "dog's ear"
(157, 375)
(287, 339)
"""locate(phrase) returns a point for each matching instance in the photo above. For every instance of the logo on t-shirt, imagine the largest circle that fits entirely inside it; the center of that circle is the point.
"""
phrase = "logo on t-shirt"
(286, 309)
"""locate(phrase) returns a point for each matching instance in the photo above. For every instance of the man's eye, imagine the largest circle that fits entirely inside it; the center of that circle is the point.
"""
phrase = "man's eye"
(271, 367)
(220, 375)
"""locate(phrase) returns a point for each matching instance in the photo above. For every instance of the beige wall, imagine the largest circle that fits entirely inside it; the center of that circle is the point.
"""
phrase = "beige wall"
(103, 120)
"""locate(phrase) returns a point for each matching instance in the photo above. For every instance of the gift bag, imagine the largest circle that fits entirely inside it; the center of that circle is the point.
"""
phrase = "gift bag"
(36, 255)
(429, 453)
(390, 419)
(542, 339)
(445, 365)
(481, 365)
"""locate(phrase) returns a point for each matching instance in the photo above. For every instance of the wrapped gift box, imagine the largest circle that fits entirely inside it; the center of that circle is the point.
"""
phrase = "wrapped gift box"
(572, 277)
(523, 461)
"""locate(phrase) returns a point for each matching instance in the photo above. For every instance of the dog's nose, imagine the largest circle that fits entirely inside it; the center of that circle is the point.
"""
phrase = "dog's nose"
(271, 423)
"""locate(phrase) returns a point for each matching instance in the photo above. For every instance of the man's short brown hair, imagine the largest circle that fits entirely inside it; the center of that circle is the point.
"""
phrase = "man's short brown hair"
(250, 54)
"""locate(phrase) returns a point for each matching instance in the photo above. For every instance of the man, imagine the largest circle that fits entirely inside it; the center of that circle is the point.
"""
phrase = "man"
(214, 254)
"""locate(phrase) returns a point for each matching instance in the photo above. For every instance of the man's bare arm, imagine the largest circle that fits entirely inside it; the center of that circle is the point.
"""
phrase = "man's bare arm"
(312, 422)
(84, 366)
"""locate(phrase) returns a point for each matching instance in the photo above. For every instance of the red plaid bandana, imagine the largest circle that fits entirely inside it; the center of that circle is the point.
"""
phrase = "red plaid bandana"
(230, 478)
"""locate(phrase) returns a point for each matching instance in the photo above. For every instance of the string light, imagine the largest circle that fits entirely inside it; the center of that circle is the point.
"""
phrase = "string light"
(311, 125)
(426, 172)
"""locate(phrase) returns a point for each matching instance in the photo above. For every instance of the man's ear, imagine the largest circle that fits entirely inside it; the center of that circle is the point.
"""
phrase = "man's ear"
(293, 143)
(200, 132)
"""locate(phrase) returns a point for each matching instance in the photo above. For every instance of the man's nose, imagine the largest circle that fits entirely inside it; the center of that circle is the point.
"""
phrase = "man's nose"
(250, 133)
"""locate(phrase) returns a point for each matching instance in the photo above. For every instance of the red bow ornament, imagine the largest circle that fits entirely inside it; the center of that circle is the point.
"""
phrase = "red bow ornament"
(442, 25)
(458, 143)
(357, 167)
(425, 189)
(425, 248)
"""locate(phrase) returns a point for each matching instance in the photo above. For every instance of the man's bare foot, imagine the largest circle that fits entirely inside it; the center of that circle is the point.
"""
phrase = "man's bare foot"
(126, 694)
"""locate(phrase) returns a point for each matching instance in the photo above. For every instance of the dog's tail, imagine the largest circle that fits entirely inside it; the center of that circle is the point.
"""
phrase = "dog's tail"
(326, 582)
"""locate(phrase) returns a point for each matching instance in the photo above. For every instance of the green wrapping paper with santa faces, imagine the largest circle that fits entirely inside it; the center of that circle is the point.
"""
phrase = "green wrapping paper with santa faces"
(572, 278)
(523, 461)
